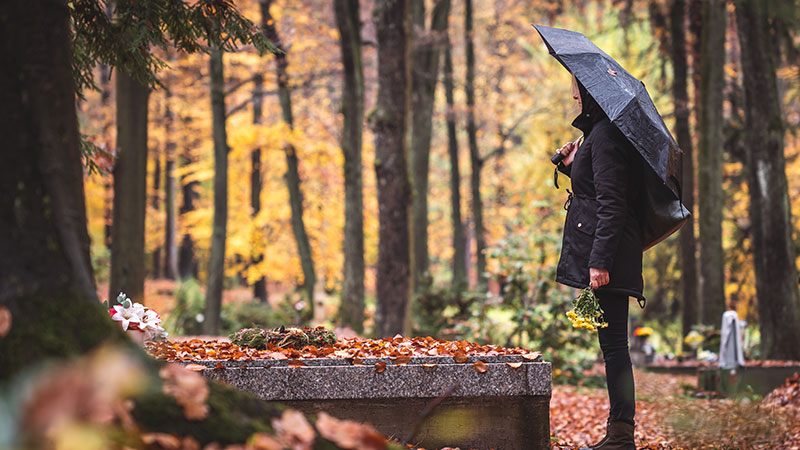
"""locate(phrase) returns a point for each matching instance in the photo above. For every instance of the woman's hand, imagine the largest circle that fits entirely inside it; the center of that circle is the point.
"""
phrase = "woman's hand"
(598, 277)
(568, 150)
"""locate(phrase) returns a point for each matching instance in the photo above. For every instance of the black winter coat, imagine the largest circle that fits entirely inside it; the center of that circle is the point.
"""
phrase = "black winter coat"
(602, 227)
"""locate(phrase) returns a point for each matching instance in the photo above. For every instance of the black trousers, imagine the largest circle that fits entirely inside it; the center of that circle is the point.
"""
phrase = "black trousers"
(614, 344)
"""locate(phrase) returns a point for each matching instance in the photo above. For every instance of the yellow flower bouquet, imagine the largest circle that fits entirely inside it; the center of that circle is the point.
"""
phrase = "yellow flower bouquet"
(586, 312)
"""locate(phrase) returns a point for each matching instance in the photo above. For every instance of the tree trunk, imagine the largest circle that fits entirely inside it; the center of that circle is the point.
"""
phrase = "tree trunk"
(130, 190)
(459, 240)
(216, 260)
(45, 269)
(770, 211)
(427, 43)
(292, 163)
(187, 264)
(389, 122)
(677, 23)
(170, 244)
(348, 20)
(155, 202)
(257, 256)
(476, 163)
(711, 199)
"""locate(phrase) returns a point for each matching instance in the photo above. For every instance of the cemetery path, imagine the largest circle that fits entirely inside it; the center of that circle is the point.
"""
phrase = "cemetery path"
(668, 417)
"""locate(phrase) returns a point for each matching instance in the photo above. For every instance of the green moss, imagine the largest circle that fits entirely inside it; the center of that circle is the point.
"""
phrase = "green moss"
(54, 328)
(283, 337)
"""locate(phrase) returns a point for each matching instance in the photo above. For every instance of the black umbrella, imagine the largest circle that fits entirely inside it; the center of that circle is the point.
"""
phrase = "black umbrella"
(627, 104)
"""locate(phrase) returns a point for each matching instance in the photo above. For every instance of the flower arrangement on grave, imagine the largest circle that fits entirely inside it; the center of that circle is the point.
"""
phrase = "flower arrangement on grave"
(586, 312)
(283, 337)
(141, 322)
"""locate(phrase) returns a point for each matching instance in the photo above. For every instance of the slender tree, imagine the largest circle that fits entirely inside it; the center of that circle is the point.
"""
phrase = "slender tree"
(170, 229)
(348, 20)
(476, 162)
(770, 211)
(187, 262)
(711, 198)
(130, 189)
(257, 256)
(459, 241)
(427, 44)
(216, 260)
(292, 162)
(677, 24)
(389, 122)
(155, 203)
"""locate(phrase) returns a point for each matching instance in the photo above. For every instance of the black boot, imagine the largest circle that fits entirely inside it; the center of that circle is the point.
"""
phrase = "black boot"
(619, 436)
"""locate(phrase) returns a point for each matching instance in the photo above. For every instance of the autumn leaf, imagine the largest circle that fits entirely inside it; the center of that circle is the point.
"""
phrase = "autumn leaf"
(293, 430)
(263, 441)
(480, 366)
(427, 367)
(162, 440)
(358, 361)
(196, 367)
(219, 366)
(460, 357)
(296, 363)
(380, 366)
(402, 360)
(5, 321)
(188, 388)
(533, 356)
(514, 365)
(349, 434)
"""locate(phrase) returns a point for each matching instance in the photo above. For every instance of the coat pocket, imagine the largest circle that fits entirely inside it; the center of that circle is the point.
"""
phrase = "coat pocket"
(585, 219)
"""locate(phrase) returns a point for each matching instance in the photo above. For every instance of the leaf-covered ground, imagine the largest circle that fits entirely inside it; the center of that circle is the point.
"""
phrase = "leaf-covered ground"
(668, 417)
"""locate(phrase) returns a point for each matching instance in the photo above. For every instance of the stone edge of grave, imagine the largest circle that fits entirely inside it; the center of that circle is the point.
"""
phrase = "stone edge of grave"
(367, 361)
(341, 382)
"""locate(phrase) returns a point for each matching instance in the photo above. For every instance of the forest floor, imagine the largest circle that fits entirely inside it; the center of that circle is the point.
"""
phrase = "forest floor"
(668, 416)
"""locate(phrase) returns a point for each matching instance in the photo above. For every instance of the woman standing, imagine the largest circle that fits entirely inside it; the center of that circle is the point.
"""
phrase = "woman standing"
(602, 247)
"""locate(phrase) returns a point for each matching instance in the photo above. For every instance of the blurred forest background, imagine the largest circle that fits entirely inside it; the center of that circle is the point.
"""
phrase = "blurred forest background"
(258, 176)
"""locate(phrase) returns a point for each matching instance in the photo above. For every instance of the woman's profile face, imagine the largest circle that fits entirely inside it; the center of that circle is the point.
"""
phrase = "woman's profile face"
(575, 93)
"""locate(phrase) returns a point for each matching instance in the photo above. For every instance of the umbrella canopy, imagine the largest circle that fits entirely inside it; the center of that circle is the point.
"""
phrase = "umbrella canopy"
(627, 104)
(622, 97)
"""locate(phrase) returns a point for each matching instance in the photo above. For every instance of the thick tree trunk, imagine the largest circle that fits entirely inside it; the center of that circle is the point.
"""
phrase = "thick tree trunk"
(257, 256)
(292, 162)
(348, 20)
(45, 269)
(773, 248)
(459, 240)
(130, 190)
(155, 203)
(677, 23)
(476, 163)
(427, 44)
(216, 260)
(389, 121)
(711, 199)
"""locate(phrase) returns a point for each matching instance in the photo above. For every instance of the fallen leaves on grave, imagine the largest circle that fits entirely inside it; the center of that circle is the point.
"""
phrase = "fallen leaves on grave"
(401, 349)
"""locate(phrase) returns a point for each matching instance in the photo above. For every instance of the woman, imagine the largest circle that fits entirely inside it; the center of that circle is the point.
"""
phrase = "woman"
(602, 247)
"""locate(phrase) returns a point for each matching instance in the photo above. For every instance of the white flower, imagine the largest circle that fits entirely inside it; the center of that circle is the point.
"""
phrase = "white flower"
(126, 316)
(149, 320)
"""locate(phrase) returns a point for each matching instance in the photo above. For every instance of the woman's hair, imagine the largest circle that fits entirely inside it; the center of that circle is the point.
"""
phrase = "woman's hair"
(590, 106)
